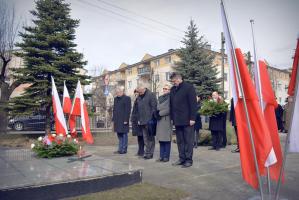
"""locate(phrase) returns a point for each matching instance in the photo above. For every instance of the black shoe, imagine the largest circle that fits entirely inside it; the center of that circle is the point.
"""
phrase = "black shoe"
(217, 149)
(179, 162)
(159, 160)
(212, 148)
(148, 157)
(165, 159)
(187, 164)
(237, 150)
(122, 152)
(116, 152)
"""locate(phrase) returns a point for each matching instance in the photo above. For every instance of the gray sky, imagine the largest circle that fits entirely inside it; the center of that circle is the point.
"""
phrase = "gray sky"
(109, 35)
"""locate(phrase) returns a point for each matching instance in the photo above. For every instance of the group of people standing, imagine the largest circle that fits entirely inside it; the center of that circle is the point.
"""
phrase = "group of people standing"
(152, 117)
(177, 107)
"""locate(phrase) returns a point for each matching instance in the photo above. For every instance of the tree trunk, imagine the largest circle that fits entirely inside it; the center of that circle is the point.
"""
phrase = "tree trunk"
(48, 119)
(4, 97)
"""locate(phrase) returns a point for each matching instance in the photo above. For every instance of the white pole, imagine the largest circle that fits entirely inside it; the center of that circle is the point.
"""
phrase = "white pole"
(258, 84)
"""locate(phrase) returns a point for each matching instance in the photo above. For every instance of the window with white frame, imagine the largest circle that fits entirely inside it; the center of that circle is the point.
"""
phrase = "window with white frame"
(167, 76)
(168, 59)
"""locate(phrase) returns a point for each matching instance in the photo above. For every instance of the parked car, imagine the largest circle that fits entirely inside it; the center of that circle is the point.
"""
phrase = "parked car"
(33, 122)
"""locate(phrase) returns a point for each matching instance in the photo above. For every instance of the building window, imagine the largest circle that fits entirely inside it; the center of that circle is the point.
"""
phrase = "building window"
(129, 84)
(225, 76)
(167, 75)
(225, 95)
(157, 63)
(130, 71)
(168, 59)
(157, 79)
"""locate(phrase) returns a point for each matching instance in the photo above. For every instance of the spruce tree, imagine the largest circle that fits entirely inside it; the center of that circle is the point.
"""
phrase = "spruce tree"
(48, 49)
(196, 64)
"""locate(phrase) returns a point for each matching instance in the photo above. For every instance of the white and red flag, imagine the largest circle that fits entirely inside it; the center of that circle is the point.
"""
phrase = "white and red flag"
(269, 103)
(293, 86)
(240, 80)
(67, 104)
(60, 123)
(79, 108)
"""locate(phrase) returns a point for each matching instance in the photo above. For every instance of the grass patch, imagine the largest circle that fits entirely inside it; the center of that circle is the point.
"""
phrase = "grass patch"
(144, 191)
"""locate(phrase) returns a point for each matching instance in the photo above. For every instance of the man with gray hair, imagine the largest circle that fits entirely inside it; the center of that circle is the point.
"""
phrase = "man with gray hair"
(147, 105)
(120, 118)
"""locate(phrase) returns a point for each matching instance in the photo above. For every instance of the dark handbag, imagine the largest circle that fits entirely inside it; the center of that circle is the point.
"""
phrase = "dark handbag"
(152, 126)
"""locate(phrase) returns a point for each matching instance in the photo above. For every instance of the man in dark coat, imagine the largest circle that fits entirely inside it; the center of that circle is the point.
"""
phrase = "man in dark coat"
(183, 113)
(232, 119)
(120, 118)
(216, 125)
(147, 106)
(198, 123)
(136, 131)
(279, 116)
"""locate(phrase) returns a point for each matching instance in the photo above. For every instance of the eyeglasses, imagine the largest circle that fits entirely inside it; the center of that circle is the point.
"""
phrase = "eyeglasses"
(165, 89)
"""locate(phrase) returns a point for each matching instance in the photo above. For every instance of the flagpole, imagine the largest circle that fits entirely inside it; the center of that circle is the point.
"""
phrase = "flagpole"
(259, 84)
(287, 139)
(245, 106)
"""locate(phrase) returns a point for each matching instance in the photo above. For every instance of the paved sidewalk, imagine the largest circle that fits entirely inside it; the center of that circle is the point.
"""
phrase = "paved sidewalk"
(214, 175)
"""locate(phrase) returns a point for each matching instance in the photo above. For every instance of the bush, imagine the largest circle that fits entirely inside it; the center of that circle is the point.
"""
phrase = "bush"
(55, 146)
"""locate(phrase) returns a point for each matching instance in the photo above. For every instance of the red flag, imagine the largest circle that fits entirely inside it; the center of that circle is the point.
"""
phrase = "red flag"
(291, 90)
(60, 123)
(270, 104)
(67, 104)
(80, 109)
(260, 132)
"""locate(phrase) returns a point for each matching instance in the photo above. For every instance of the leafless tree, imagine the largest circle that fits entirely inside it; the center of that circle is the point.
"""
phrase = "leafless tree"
(9, 27)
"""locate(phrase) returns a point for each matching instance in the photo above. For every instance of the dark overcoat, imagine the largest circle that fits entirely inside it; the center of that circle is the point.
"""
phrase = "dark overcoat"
(182, 104)
(198, 123)
(232, 116)
(216, 122)
(147, 106)
(136, 131)
(121, 114)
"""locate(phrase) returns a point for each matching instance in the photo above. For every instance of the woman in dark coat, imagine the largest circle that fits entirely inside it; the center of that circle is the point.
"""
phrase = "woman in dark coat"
(198, 124)
(216, 125)
(121, 117)
(136, 131)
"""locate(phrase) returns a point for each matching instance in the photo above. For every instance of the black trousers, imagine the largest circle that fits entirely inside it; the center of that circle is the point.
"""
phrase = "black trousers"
(140, 145)
(216, 139)
(185, 142)
(236, 132)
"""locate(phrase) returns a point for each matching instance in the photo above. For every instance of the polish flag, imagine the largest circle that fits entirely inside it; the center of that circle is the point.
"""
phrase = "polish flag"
(60, 123)
(79, 108)
(268, 99)
(293, 91)
(67, 104)
(260, 132)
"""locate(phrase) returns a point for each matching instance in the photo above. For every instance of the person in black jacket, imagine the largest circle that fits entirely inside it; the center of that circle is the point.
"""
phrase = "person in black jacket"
(279, 116)
(198, 124)
(183, 113)
(216, 125)
(136, 131)
(147, 106)
(232, 119)
(120, 118)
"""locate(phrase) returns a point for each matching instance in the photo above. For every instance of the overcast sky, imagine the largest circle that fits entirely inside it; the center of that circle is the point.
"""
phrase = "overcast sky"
(116, 31)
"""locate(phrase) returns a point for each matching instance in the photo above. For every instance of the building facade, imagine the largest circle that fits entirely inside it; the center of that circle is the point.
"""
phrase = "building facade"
(156, 70)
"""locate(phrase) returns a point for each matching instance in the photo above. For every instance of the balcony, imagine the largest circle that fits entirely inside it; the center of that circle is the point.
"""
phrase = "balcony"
(145, 70)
